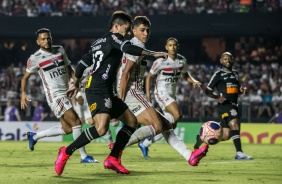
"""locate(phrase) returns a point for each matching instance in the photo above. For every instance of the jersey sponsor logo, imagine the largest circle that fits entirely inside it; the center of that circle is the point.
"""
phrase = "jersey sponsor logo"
(171, 79)
(224, 115)
(88, 82)
(100, 41)
(233, 112)
(108, 103)
(116, 39)
(57, 72)
(96, 47)
(136, 109)
(105, 75)
(93, 106)
(231, 89)
(222, 74)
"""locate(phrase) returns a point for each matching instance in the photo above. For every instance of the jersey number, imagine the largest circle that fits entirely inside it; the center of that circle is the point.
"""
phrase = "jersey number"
(97, 58)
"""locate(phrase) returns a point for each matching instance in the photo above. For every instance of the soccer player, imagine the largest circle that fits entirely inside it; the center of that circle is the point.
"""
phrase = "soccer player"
(53, 66)
(106, 53)
(226, 81)
(130, 87)
(168, 72)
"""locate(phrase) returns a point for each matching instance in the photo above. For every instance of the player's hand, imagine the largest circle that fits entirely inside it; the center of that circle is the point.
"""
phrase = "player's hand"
(197, 84)
(24, 98)
(72, 91)
(160, 55)
(221, 98)
(243, 90)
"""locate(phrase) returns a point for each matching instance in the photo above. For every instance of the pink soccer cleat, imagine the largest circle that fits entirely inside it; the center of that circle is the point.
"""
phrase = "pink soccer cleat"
(61, 160)
(115, 164)
(197, 155)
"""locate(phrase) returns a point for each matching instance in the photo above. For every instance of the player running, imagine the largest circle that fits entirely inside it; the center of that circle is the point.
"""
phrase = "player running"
(130, 87)
(168, 71)
(53, 66)
(106, 53)
(226, 81)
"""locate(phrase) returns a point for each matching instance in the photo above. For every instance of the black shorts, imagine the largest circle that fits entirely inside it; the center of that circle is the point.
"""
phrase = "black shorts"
(105, 103)
(226, 113)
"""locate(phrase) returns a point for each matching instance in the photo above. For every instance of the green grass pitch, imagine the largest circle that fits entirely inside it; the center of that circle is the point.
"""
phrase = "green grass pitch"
(19, 165)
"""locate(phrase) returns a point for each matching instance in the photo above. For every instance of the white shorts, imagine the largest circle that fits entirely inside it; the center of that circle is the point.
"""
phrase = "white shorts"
(60, 105)
(164, 100)
(136, 101)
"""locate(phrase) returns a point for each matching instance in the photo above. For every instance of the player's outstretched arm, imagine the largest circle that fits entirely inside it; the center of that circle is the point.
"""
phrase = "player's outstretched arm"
(24, 98)
(192, 80)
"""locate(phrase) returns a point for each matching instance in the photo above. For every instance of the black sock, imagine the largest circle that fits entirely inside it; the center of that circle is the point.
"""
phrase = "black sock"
(235, 136)
(85, 137)
(122, 139)
(198, 142)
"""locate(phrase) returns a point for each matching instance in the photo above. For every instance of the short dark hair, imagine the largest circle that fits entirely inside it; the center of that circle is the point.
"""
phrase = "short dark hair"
(226, 53)
(42, 30)
(172, 38)
(120, 18)
(138, 20)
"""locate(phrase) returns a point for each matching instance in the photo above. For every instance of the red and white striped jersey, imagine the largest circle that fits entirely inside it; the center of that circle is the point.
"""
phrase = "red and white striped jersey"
(52, 70)
(136, 80)
(168, 72)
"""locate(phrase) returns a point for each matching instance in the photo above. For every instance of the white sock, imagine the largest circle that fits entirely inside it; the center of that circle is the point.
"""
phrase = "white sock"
(141, 133)
(148, 142)
(177, 144)
(76, 131)
(53, 131)
(169, 117)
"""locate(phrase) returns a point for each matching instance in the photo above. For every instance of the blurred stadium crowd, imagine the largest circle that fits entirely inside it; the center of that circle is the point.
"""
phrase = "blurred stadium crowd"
(258, 61)
(34, 8)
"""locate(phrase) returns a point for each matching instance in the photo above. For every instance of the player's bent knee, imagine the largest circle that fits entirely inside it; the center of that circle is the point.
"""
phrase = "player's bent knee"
(102, 131)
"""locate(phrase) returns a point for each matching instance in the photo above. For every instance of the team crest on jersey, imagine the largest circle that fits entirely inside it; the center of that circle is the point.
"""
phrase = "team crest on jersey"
(175, 70)
(55, 61)
(67, 103)
(105, 76)
(233, 112)
(108, 103)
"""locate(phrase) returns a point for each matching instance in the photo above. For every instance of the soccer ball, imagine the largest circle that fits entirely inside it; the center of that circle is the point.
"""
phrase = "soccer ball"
(211, 132)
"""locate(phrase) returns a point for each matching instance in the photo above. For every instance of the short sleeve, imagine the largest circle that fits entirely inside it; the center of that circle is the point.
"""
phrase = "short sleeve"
(156, 67)
(31, 65)
(65, 57)
(185, 66)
